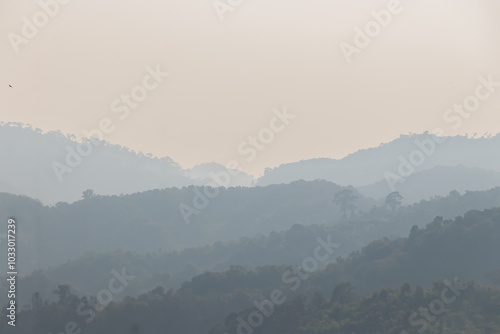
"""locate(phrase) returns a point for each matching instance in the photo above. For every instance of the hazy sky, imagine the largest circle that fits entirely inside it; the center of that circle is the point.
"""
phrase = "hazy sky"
(227, 76)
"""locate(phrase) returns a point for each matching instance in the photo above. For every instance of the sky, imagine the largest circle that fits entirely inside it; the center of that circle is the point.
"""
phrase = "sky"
(226, 69)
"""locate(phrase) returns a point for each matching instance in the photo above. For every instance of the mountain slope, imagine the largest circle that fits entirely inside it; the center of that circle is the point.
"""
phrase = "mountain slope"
(52, 167)
(437, 181)
(368, 166)
(145, 222)
(216, 302)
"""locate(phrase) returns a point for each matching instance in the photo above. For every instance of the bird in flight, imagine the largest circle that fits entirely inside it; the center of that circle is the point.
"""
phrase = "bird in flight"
(10, 86)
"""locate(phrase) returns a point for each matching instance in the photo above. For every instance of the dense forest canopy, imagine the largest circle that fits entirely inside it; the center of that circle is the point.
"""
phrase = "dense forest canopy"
(358, 292)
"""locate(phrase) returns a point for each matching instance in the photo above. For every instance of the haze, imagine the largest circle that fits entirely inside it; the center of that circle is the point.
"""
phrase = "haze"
(226, 77)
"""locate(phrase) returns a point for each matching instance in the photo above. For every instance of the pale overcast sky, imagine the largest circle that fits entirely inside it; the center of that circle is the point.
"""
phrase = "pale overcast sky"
(227, 76)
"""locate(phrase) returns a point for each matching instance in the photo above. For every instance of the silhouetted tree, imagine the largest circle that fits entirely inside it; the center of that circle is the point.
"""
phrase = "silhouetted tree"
(394, 200)
(62, 291)
(87, 194)
(344, 199)
(36, 302)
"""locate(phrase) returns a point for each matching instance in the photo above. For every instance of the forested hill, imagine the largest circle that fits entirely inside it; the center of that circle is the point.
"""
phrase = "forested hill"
(151, 222)
(287, 246)
(437, 181)
(451, 251)
(32, 158)
(368, 166)
(55, 167)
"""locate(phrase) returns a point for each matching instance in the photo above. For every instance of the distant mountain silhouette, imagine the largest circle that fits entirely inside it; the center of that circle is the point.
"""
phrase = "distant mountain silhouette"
(30, 160)
(147, 221)
(438, 181)
(369, 166)
(54, 167)
(203, 172)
